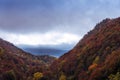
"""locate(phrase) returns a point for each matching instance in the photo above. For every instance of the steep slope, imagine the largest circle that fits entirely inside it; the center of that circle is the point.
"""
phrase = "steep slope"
(95, 57)
(15, 64)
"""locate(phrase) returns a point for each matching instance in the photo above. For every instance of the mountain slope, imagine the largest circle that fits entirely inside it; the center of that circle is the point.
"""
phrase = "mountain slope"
(15, 64)
(95, 57)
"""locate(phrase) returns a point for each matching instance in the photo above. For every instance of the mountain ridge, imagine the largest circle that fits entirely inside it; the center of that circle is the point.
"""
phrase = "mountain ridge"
(17, 64)
(90, 58)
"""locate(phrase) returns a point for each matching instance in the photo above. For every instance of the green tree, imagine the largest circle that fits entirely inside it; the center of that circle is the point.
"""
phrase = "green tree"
(96, 60)
(1, 51)
(9, 75)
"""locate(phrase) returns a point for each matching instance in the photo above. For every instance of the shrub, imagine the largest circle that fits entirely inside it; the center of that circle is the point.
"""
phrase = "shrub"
(62, 77)
(37, 76)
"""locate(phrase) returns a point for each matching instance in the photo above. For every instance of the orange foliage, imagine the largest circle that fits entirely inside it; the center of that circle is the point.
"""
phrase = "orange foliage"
(92, 67)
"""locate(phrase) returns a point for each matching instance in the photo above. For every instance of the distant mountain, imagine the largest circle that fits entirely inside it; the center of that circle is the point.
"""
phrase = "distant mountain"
(59, 46)
(95, 57)
(53, 50)
(16, 64)
(46, 51)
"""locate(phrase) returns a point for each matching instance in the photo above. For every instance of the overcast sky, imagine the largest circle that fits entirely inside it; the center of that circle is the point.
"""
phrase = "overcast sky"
(52, 22)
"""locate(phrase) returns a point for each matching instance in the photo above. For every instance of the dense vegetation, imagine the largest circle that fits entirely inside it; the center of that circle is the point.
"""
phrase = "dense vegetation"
(15, 64)
(95, 57)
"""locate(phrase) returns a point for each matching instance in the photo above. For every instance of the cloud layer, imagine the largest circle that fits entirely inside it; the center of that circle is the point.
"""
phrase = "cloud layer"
(46, 15)
(50, 38)
(73, 17)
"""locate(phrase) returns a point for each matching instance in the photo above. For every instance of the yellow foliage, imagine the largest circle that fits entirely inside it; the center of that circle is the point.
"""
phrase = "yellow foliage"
(37, 75)
(92, 67)
(115, 77)
(62, 77)
(96, 60)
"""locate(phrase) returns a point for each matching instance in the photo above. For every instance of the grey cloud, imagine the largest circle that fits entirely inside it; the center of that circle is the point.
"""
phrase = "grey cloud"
(64, 15)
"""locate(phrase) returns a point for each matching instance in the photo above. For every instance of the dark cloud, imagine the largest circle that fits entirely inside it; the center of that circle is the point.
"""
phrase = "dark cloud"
(73, 16)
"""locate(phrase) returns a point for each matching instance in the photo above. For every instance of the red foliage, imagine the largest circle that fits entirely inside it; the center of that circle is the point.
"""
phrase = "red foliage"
(101, 41)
